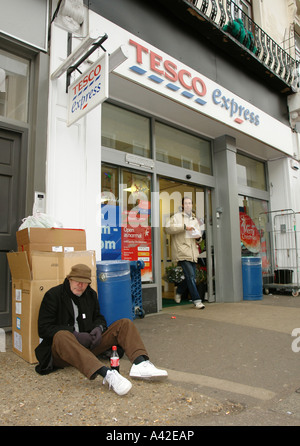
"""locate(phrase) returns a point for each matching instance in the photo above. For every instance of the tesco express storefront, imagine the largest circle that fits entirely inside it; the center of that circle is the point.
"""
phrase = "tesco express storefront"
(119, 169)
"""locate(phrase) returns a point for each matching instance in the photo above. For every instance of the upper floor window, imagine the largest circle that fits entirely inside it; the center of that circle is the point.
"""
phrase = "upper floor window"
(14, 86)
(297, 46)
(244, 5)
(251, 172)
(131, 132)
(181, 149)
(125, 131)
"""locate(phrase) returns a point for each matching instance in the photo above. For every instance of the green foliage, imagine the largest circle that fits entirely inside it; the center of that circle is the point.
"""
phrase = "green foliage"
(174, 274)
(201, 274)
(237, 30)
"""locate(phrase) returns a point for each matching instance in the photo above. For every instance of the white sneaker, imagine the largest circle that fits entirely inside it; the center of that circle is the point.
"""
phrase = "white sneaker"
(146, 370)
(177, 298)
(117, 382)
(199, 305)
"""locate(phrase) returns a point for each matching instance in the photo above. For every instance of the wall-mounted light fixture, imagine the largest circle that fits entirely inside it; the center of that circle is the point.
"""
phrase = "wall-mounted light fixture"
(117, 57)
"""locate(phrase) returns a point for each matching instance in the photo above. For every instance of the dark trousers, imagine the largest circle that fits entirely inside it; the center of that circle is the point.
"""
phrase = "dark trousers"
(189, 282)
(66, 350)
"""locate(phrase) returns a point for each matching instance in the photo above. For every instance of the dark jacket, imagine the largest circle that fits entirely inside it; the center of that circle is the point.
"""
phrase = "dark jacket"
(56, 313)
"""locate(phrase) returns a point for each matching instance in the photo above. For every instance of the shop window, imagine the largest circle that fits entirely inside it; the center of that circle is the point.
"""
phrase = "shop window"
(14, 81)
(126, 232)
(181, 149)
(251, 172)
(109, 185)
(125, 131)
(255, 230)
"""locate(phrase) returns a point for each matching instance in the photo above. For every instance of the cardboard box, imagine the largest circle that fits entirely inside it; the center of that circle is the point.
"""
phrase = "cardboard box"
(29, 286)
(50, 240)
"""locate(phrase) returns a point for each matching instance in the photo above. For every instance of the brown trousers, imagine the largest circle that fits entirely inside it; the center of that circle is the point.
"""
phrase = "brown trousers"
(66, 350)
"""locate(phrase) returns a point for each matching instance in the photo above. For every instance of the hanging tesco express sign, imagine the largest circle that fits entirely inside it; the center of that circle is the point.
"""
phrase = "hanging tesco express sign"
(89, 90)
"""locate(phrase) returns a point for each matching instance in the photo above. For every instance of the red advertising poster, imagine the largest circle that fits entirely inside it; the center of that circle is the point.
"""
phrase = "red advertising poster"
(137, 245)
(137, 237)
(249, 233)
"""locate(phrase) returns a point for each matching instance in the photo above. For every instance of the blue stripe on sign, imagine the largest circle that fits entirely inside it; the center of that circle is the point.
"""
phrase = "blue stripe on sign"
(156, 79)
(173, 87)
(187, 94)
(137, 70)
(200, 101)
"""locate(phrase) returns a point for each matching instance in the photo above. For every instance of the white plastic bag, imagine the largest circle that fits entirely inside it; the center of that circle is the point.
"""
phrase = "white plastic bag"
(40, 220)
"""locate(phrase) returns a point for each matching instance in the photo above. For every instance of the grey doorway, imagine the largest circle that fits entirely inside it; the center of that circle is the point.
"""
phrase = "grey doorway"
(171, 193)
(13, 156)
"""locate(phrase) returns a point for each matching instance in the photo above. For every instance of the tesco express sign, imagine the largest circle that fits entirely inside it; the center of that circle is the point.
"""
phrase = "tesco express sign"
(89, 90)
(162, 71)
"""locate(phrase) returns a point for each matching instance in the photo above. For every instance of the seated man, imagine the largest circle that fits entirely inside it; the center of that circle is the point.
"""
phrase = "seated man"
(74, 332)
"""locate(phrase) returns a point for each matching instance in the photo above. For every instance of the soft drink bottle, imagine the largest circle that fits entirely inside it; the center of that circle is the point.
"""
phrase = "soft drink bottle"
(114, 359)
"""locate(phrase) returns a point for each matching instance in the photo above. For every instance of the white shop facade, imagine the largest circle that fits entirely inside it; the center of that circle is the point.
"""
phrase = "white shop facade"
(163, 131)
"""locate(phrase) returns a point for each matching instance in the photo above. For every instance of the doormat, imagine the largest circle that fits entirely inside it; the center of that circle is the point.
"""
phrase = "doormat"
(172, 303)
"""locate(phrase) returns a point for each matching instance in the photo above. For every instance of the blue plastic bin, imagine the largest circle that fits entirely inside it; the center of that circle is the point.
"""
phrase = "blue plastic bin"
(252, 278)
(114, 289)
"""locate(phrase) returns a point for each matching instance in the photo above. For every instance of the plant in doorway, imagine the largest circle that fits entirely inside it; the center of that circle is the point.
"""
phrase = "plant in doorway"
(201, 280)
(174, 274)
(201, 274)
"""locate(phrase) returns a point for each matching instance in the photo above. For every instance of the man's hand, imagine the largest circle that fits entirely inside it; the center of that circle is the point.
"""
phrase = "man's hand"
(190, 228)
(83, 338)
(96, 335)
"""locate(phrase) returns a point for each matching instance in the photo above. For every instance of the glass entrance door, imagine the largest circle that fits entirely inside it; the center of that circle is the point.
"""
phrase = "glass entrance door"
(126, 232)
(171, 193)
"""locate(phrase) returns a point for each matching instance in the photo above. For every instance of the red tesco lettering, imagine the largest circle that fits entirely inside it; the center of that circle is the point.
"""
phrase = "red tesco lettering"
(169, 70)
(86, 79)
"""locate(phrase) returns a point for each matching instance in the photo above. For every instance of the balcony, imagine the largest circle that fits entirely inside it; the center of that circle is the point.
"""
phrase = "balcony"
(245, 43)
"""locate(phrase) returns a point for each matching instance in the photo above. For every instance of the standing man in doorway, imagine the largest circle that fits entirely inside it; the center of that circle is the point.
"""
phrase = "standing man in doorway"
(185, 232)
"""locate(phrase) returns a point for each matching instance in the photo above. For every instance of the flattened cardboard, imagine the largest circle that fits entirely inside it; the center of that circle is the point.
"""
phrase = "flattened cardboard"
(19, 266)
(27, 296)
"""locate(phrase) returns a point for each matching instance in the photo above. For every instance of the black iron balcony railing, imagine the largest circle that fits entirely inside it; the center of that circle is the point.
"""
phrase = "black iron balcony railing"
(228, 17)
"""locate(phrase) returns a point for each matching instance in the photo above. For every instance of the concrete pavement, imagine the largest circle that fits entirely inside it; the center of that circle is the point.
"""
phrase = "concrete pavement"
(240, 352)
(231, 364)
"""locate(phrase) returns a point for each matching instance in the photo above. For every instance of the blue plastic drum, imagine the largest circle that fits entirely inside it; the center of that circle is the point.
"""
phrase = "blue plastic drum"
(114, 290)
(252, 278)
